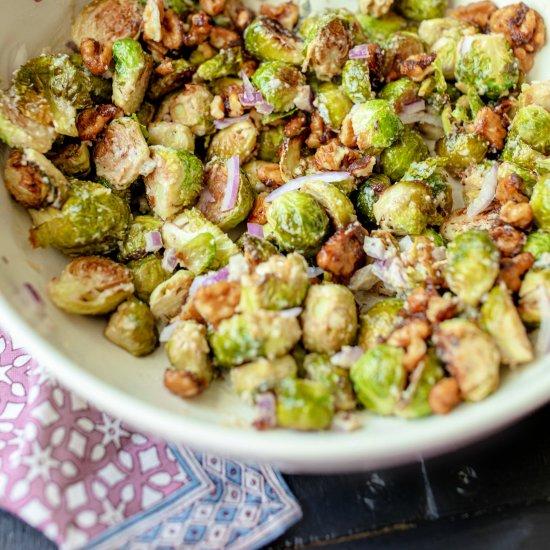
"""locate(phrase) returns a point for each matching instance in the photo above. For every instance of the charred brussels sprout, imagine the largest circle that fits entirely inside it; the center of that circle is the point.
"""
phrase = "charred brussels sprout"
(533, 287)
(267, 40)
(121, 153)
(379, 377)
(472, 265)
(132, 327)
(538, 243)
(297, 223)
(367, 194)
(304, 405)
(418, 10)
(225, 63)
(356, 80)
(239, 139)
(532, 125)
(72, 159)
(134, 245)
(397, 158)
(379, 322)
(175, 182)
(91, 285)
(461, 150)
(486, 61)
(540, 203)
(167, 298)
(333, 105)
(91, 221)
(255, 249)
(191, 107)
(147, 273)
(162, 85)
(248, 336)
(336, 204)
(133, 70)
(329, 319)
(171, 134)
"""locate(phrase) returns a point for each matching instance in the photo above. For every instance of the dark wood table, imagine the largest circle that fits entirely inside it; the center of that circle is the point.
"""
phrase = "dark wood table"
(494, 494)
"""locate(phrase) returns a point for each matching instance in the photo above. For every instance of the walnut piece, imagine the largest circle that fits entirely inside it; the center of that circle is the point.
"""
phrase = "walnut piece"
(488, 125)
(512, 269)
(258, 214)
(444, 396)
(418, 67)
(517, 214)
(287, 13)
(212, 7)
(199, 29)
(184, 384)
(507, 239)
(218, 301)
(477, 13)
(95, 56)
(90, 122)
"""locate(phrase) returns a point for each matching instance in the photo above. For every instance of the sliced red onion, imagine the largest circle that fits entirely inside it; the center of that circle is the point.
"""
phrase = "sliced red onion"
(264, 107)
(169, 260)
(304, 99)
(251, 100)
(293, 185)
(466, 45)
(266, 405)
(33, 294)
(208, 280)
(233, 181)
(167, 331)
(486, 193)
(415, 107)
(345, 422)
(347, 357)
(359, 52)
(153, 241)
(254, 98)
(249, 89)
(313, 272)
(375, 248)
(227, 122)
(255, 229)
(292, 312)
(543, 338)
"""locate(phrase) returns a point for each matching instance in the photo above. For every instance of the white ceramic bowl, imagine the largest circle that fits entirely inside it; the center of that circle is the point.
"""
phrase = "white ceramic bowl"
(74, 348)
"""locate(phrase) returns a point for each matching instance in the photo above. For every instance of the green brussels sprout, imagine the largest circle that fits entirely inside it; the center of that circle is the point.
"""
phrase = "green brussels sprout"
(356, 80)
(471, 356)
(378, 29)
(33, 181)
(304, 405)
(91, 221)
(318, 367)
(175, 182)
(367, 195)
(435, 237)
(171, 134)
(418, 10)
(399, 93)
(329, 319)
(251, 335)
(211, 203)
(268, 40)
(187, 350)
(532, 125)
(535, 93)
(333, 105)
(396, 159)
(271, 138)
(405, 208)
(162, 85)
(280, 84)
(472, 265)
(281, 282)
(147, 273)
(375, 125)
(297, 223)
(461, 150)
(531, 306)
(72, 159)
(120, 154)
(540, 203)
(101, 89)
(379, 377)
(238, 139)
(519, 153)
(133, 69)
(255, 249)
(133, 246)
(500, 318)
(167, 298)
(338, 207)
(529, 177)
(132, 327)
(538, 243)
(91, 285)
(191, 107)
(486, 62)
(225, 63)
(379, 322)
(414, 402)
(262, 375)
(199, 244)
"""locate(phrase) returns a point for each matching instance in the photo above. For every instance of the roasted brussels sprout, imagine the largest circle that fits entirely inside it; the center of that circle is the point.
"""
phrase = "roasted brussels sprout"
(356, 80)
(377, 29)
(267, 40)
(251, 335)
(461, 150)
(333, 105)
(519, 153)
(470, 355)
(191, 107)
(540, 203)
(379, 377)
(338, 207)
(281, 282)
(161, 85)
(134, 245)
(168, 297)
(538, 243)
(226, 62)
(72, 159)
(238, 139)
(91, 221)
(147, 274)
(367, 194)
(175, 182)
(535, 284)
(132, 327)
(486, 62)
(33, 180)
(329, 319)
(121, 153)
(400, 92)
(255, 249)
(418, 10)
(397, 158)
(532, 125)
(91, 285)
(535, 93)
(297, 223)
(397, 48)
(133, 70)
(379, 322)
(271, 138)
(472, 265)
(171, 134)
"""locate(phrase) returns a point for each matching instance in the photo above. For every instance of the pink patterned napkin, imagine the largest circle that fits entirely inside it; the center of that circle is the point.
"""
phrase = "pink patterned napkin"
(86, 480)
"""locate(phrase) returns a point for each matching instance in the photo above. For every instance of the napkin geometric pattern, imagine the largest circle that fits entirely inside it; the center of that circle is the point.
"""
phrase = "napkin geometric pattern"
(86, 480)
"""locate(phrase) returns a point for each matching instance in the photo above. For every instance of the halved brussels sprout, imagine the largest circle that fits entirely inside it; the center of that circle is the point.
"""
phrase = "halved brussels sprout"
(176, 181)
(486, 62)
(251, 335)
(367, 194)
(540, 203)
(379, 322)
(281, 282)
(461, 150)
(33, 180)
(400, 92)
(535, 93)
(255, 249)
(418, 10)
(470, 355)
(329, 319)
(532, 125)
(531, 306)
(171, 134)
(297, 223)
(238, 139)
(168, 297)
(91, 221)
(333, 105)
(538, 243)
(132, 327)
(356, 80)
(121, 153)
(379, 377)
(304, 405)
(147, 273)
(397, 158)
(91, 285)
(377, 29)
(72, 159)
(472, 265)
(225, 63)
(191, 107)
(133, 69)
(133, 246)
(519, 153)
(162, 85)
(271, 138)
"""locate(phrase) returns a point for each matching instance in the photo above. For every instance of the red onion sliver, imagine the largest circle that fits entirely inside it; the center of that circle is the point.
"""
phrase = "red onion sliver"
(167, 331)
(415, 107)
(266, 405)
(227, 122)
(233, 181)
(153, 241)
(359, 52)
(347, 357)
(208, 280)
(249, 89)
(375, 248)
(33, 294)
(169, 260)
(313, 272)
(264, 107)
(292, 312)
(293, 185)
(543, 338)
(255, 229)
(486, 193)
(251, 100)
